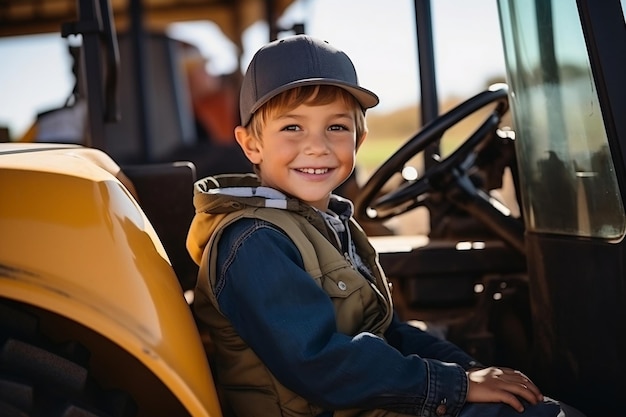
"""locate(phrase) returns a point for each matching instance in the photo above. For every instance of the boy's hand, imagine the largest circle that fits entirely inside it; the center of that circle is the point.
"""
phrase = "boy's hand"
(490, 385)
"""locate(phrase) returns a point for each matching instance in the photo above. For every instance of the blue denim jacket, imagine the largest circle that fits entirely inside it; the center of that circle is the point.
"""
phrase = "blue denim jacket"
(288, 320)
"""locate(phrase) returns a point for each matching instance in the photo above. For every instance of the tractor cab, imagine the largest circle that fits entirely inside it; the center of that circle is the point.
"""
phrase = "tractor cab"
(499, 218)
(549, 294)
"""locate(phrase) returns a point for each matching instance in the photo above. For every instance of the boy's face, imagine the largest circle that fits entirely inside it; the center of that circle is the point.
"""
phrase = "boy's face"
(306, 152)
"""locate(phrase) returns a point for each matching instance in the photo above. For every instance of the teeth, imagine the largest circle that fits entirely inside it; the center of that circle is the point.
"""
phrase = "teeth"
(316, 171)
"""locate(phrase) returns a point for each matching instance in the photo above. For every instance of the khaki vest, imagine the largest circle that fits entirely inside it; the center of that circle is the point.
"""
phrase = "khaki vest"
(360, 306)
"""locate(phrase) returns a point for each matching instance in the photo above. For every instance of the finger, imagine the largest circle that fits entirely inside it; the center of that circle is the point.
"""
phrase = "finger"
(512, 400)
(535, 390)
(518, 377)
(523, 391)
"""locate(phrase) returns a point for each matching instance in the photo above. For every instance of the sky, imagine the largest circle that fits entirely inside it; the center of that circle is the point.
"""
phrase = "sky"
(378, 35)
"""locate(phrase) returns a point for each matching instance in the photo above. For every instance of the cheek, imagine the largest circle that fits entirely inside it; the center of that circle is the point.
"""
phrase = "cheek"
(346, 150)
(288, 147)
(280, 153)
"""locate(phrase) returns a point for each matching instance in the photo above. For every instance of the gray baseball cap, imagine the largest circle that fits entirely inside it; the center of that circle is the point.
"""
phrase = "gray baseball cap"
(297, 61)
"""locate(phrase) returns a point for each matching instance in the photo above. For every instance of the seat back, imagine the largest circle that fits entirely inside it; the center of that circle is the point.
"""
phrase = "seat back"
(165, 193)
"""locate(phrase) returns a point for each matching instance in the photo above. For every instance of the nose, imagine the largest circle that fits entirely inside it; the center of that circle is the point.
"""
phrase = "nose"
(316, 143)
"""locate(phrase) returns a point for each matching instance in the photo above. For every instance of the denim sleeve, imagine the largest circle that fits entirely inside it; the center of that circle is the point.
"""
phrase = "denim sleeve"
(289, 321)
(412, 340)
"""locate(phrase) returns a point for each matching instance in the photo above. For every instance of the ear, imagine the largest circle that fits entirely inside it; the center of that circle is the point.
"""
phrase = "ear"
(249, 144)
(359, 141)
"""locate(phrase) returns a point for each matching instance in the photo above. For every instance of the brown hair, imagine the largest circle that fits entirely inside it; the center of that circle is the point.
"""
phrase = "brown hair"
(314, 95)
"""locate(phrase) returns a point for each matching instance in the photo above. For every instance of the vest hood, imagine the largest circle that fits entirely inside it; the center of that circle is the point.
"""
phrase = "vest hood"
(216, 196)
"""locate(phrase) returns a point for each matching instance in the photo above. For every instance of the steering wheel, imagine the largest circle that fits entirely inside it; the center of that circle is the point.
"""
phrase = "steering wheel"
(371, 206)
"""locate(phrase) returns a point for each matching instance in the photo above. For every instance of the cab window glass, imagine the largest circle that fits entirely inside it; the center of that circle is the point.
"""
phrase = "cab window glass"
(569, 181)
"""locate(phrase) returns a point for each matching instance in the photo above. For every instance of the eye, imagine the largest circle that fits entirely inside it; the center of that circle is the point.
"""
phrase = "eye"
(338, 127)
(292, 128)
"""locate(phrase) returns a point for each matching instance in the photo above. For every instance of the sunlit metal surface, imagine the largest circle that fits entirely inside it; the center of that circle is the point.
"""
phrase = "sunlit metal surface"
(25, 17)
(75, 242)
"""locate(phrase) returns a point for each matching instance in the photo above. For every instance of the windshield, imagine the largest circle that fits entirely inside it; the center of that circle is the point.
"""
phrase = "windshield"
(570, 186)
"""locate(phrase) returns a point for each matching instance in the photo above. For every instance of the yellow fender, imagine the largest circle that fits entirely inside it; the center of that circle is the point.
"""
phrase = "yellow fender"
(75, 242)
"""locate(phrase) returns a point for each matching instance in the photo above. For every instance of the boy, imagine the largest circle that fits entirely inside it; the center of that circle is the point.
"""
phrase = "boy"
(300, 313)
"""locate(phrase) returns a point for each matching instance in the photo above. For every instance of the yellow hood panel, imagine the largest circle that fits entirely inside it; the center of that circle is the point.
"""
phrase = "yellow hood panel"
(74, 233)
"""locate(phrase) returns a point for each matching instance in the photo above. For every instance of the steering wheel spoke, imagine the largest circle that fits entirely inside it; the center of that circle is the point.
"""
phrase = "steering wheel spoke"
(405, 193)
(381, 213)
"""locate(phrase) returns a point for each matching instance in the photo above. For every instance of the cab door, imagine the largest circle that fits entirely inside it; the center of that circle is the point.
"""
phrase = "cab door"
(565, 62)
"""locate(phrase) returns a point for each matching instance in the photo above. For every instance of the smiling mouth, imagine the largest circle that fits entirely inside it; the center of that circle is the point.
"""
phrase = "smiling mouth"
(316, 171)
